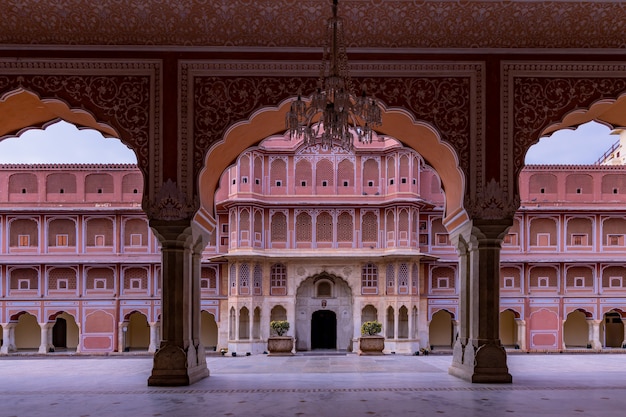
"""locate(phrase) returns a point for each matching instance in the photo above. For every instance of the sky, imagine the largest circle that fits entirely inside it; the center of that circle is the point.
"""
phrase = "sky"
(64, 143)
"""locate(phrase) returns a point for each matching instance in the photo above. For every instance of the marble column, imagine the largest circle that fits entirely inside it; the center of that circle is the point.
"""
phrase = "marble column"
(45, 343)
(596, 344)
(8, 338)
(423, 334)
(122, 332)
(180, 358)
(154, 329)
(478, 355)
(521, 334)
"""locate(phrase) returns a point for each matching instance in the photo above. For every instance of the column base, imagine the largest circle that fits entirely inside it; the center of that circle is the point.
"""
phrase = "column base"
(485, 364)
(174, 366)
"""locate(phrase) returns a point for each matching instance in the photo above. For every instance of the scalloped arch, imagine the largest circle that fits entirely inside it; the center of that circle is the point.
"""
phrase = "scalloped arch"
(397, 123)
(21, 110)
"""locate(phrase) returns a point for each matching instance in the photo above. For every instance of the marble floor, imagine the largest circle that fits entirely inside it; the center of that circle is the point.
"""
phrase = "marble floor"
(345, 386)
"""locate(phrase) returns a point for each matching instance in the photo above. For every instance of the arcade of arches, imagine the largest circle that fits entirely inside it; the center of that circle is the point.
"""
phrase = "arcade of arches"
(189, 112)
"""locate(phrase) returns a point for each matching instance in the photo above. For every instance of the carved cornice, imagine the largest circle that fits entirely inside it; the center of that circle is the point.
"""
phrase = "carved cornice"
(369, 24)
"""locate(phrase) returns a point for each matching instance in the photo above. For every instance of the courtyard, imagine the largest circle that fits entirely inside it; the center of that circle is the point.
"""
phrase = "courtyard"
(313, 385)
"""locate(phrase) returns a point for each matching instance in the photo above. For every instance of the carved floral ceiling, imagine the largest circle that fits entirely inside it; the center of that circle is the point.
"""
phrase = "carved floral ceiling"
(299, 23)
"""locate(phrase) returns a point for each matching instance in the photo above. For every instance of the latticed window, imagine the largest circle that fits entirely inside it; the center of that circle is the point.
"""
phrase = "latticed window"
(244, 220)
(415, 276)
(210, 276)
(258, 225)
(304, 173)
(369, 275)
(279, 227)
(303, 228)
(278, 276)
(403, 275)
(258, 277)
(324, 227)
(66, 275)
(244, 275)
(345, 227)
(369, 227)
(442, 278)
(391, 276)
(370, 173)
(278, 172)
(403, 224)
(324, 173)
(244, 167)
(138, 275)
(345, 173)
(232, 276)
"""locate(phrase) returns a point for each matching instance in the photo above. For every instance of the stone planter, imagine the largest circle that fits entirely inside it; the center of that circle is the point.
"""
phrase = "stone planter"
(280, 346)
(371, 345)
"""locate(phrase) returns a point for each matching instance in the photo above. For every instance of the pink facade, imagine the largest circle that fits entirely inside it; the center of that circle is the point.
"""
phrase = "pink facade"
(354, 235)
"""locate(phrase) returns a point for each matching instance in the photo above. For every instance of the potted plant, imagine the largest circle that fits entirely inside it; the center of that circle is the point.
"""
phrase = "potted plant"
(370, 342)
(278, 344)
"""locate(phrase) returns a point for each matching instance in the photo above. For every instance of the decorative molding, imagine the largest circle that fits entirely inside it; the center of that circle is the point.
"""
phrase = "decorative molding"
(449, 96)
(170, 203)
(244, 23)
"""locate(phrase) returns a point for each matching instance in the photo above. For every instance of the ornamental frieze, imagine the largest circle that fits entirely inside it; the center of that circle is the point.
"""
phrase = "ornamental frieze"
(369, 24)
(447, 96)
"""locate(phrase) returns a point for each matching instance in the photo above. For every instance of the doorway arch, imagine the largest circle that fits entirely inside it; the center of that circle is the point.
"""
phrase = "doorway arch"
(440, 330)
(65, 332)
(324, 330)
(336, 311)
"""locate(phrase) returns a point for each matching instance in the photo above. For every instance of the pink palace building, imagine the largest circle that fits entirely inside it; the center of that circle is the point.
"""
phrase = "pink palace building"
(323, 238)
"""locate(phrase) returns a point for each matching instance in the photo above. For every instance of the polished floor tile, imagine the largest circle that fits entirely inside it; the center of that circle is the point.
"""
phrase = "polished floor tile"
(543, 385)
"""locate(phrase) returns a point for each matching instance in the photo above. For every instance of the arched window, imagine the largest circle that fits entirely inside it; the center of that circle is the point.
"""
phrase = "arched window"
(279, 228)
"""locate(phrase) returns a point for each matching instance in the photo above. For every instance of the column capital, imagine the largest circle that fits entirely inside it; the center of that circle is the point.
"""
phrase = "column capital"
(170, 203)
(492, 202)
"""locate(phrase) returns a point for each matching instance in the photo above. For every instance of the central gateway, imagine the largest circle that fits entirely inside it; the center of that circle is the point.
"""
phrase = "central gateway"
(324, 313)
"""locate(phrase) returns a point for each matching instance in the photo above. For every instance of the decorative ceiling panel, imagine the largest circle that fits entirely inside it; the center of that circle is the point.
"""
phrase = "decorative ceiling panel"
(300, 23)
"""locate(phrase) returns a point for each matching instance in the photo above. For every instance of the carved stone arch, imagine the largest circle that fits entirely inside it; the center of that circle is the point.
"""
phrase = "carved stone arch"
(396, 123)
(541, 98)
(120, 98)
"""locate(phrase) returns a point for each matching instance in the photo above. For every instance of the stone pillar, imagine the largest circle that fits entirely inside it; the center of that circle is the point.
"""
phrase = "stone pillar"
(594, 335)
(396, 322)
(423, 334)
(122, 333)
(46, 337)
(521, 334)
(80, 338)
(624, 341)
(478, 354)
(8, 338)
(180, 358)
(154, 329)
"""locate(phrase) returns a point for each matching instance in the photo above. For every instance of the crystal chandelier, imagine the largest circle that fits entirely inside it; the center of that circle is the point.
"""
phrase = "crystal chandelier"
(334, 116)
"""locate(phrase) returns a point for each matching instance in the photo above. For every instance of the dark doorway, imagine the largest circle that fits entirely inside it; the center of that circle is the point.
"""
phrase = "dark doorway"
(59, 333)
(324, 330)
(613, 330)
